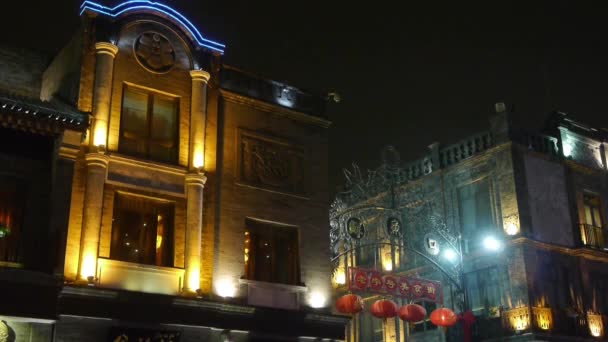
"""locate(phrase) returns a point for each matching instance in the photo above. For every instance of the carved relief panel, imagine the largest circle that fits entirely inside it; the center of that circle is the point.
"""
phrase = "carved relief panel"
(270, 163)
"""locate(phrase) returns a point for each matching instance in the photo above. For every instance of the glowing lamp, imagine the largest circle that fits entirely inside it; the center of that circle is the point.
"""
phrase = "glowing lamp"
(100, 134)
(596, 326)
(384, 309)
(412, 313)
(349, 304)
(225, 288)
(450, 254)
(511, 229)
(198, 161)
(443, 317)
(317, 300)
(340, 276)
(87, 268)
(492, 244)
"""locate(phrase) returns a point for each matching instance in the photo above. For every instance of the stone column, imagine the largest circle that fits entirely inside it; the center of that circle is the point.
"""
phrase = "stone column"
(195, 182)
(97, 165)
(198, 111)
(102, 92)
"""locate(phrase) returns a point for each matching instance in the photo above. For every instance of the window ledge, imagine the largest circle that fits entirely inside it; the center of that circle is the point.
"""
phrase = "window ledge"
(274, 286)
(139, 277)
(159, 166)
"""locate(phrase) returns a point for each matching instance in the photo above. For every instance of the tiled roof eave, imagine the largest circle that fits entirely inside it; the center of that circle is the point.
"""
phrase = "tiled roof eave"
(21, 114)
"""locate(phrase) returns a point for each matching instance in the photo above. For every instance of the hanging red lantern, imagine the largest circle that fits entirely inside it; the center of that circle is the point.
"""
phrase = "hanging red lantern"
(412, 313)
(384, 309)
(443, 317)
(349, 304)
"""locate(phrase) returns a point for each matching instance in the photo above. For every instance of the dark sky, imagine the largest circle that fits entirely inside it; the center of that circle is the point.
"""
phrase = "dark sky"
(408, 73)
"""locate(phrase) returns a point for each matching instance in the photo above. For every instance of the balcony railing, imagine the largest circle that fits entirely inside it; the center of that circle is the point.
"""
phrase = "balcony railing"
(593, 236)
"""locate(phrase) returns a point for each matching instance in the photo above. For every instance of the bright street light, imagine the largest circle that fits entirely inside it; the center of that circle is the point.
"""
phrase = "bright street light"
(450, 254)
(492, 243)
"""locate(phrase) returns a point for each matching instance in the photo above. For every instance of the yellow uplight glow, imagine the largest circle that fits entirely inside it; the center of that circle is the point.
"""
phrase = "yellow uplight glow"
(198, 160)
(518, 319)
(100, 134)
(87, 269)
(340, 276)
(596, 326)
(225, 288)
(194, 280)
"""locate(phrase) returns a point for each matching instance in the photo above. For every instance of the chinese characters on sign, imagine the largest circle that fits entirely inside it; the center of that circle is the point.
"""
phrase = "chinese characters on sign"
(360, 279)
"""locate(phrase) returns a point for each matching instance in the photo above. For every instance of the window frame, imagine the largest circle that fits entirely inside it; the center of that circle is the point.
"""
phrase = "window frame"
(274, 231)
(158, 203)
(151, 95)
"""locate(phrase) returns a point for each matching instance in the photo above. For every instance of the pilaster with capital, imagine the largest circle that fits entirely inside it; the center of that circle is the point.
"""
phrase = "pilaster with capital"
(96, 171)
(198, 119)
(102, 92)
(195, 183)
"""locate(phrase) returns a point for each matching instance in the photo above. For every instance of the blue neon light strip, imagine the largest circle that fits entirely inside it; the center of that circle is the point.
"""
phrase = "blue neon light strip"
(155, 6)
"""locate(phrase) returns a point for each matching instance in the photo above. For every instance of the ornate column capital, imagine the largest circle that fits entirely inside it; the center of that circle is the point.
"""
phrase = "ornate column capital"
(200, 75)
(97, 159)
(106, 48)
(196, 178)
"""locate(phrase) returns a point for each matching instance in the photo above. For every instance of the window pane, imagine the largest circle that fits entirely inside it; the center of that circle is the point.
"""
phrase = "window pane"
(271, 253)
(11, 216)
(142, 231)
(588, 216)
(163, 144)
(134, 126)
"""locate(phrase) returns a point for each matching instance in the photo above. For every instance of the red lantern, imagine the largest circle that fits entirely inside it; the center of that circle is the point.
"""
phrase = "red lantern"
(443, 317)
(412, 313)
(349, 304)
(384, 309)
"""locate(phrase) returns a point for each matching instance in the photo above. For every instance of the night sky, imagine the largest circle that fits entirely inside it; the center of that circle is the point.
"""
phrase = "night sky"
(408, 74)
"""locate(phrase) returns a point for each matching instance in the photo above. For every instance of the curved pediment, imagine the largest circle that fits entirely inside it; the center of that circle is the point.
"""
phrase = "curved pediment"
(145, 6)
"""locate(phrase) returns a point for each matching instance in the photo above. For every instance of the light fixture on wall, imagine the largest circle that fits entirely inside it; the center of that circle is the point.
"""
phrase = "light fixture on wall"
(511, 229)
(317, 300)
(225, 288)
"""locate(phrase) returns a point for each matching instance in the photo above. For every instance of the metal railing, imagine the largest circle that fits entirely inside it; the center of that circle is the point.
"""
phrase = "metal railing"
(592, 236)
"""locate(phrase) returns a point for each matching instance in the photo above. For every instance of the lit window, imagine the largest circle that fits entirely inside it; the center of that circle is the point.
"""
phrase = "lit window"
(142, 231)
(148, 127)
(592, 231)
(271, 253)
(11, 216)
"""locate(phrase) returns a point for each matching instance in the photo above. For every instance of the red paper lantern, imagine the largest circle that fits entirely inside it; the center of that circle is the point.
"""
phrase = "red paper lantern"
(349, 304)
(443, 317)
(412, 313)
(384, 309)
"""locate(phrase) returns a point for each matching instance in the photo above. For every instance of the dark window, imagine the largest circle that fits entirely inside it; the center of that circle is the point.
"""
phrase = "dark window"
(271, 253)
(142, 231)
(12, 202)
(148, 126)
(475, 208)
(485, 289)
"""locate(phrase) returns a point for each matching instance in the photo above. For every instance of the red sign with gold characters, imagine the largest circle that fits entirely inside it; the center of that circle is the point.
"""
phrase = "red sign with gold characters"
(360, 279)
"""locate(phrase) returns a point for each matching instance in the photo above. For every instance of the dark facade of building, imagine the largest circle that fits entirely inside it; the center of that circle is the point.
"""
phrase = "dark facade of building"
(150, 192)
(539, 198)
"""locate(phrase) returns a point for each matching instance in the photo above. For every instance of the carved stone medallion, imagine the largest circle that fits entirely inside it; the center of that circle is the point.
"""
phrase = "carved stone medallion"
(154, 52)
(355, 228)
(393, 227)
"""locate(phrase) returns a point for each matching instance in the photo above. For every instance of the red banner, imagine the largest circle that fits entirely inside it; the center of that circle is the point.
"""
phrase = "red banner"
(360, 279)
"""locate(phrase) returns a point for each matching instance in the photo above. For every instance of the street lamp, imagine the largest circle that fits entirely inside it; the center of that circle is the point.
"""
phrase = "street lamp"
(492, 244)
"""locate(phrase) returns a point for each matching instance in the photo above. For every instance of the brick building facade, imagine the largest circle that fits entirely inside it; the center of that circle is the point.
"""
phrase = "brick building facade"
(178, 196)
(541, 195)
